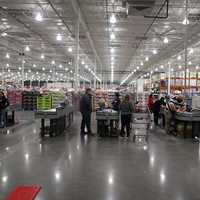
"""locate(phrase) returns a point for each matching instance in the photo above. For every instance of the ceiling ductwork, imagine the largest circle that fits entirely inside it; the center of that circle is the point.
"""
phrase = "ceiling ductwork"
(139, 8)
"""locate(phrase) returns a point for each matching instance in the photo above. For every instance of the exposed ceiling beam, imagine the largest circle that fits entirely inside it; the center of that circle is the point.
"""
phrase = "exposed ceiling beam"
(78, 11)
(177, 48)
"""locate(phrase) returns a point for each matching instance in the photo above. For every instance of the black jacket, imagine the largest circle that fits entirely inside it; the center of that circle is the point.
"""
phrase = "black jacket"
(86, 104)
(116, 104)
(156, 106)
(4, 103)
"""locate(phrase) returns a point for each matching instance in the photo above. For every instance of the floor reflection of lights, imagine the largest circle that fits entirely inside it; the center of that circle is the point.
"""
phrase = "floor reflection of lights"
(4, 179)
(7, 148)
(26, 156)
(152, 160)
(110, 179)
(162, 177)
(70, 157)
(57, 175)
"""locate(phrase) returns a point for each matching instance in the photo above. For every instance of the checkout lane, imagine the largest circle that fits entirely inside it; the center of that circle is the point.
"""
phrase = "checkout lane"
(183, 118)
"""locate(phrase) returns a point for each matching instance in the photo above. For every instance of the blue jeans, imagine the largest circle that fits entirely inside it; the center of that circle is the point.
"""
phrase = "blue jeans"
(2, 118)
(86, 122)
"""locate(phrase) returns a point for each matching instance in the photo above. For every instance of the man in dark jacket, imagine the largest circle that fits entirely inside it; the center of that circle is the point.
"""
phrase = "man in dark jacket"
(86, 110)
(116, 102)
(3, 105)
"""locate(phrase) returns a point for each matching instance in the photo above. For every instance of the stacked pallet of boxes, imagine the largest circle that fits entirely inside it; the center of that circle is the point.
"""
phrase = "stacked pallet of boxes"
(44, 102)
(57, 98)
(29, 100)
(15, 99)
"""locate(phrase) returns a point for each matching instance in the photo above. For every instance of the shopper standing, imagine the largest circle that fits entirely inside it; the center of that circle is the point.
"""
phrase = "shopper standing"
(126, 109)
(150, 102)
(3, 105)
(116, 102)
(156, 110)
(86, 110)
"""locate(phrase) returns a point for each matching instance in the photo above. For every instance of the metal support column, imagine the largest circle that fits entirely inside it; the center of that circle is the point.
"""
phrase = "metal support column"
(186, 45)
(150, 81)
(3, 76)
(23, 62)
(95, 71)
(77, 53)
(169, 79)
(54, 76)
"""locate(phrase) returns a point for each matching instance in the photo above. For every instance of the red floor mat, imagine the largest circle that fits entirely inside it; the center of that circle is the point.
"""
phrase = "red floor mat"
(24, 193)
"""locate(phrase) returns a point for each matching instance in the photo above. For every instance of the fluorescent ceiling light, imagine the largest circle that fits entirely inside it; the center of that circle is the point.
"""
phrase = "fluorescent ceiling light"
(27, 48)
(179, 57)
(112, 36)
(59, 37)
(4, 34)
(69, 49)
(155, 52)
(34, 65)
(7, 55)
(42, 56)
(165, 40)
(147, 58)
(53, 62)
(141, 63)
(186, 21)
(112, 50)
(82, 62)
(60, 66)
(180, 67)
(191, 51)
(113, 19)
(38, 17)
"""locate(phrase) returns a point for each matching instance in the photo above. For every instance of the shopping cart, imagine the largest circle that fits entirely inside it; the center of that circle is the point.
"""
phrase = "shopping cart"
(141, 120)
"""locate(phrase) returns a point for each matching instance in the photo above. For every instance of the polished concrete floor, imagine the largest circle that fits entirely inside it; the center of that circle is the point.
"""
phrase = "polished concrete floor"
(74, 168)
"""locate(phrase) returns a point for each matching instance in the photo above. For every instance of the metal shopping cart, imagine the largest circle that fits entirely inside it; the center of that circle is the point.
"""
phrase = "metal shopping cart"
(141, 120)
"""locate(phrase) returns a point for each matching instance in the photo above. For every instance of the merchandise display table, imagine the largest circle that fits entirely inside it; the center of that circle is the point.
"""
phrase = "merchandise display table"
(107, 122)
(60, 118)
(189, 118)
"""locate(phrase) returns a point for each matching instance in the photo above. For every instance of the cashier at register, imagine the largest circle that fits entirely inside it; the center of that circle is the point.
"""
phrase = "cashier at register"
(177, 104)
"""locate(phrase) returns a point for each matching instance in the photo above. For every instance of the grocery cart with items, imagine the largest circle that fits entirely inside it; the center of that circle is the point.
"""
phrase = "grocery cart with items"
(141, 123)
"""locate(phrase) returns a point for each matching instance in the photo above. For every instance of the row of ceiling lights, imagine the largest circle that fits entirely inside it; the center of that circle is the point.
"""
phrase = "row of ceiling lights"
(39, 18)
(59, 38)
(166, 41)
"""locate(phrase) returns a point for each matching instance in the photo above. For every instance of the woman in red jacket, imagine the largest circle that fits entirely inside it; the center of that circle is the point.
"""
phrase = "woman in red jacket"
(150, 102)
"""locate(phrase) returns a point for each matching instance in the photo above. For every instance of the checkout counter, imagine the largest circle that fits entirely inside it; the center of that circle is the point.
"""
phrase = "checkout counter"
(107, 122)
(189, 119)
(186, 124)
(59, 119)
